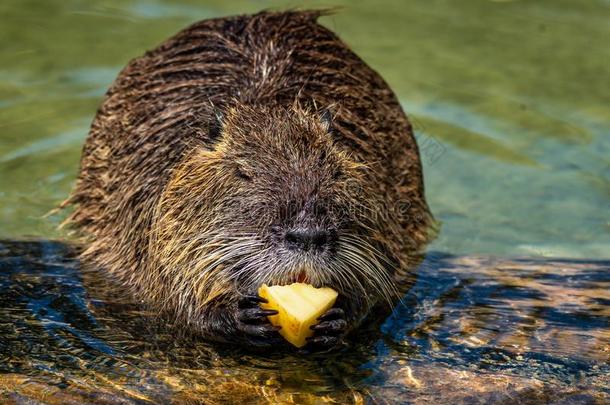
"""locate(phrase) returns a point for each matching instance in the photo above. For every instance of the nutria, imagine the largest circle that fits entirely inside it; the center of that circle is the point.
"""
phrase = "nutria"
(247, 150)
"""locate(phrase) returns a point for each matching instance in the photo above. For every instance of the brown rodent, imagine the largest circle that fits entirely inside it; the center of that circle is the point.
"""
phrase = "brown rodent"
(248, 150)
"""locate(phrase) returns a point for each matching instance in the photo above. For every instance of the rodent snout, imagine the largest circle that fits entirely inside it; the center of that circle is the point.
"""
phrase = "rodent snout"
(306, 239)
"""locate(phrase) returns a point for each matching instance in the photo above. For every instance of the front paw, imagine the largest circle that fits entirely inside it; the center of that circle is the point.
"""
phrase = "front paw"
(253, 325)
(328, 334)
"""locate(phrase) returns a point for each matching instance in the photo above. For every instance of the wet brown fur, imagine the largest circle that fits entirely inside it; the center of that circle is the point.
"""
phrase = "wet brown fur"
(206, 144)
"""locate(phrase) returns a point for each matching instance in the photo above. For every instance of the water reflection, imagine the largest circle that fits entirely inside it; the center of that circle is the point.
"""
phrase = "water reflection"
(471, 329)
(513, 93)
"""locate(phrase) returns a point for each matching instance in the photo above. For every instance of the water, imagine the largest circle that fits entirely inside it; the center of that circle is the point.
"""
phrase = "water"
(510, 102)
(478, 327)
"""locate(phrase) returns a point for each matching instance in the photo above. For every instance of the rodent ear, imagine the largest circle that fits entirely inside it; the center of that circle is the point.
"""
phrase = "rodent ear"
(327, 117)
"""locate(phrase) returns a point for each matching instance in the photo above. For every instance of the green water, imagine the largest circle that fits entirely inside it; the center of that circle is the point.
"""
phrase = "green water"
(510, 100)
(511, 105)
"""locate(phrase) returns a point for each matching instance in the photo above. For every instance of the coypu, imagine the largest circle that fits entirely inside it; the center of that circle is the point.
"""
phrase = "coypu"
(247, 150)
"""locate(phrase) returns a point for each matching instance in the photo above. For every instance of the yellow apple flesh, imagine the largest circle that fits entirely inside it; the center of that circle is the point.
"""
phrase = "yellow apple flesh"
(299, 305)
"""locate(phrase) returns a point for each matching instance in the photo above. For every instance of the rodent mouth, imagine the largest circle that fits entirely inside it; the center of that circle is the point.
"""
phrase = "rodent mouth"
(301, 277)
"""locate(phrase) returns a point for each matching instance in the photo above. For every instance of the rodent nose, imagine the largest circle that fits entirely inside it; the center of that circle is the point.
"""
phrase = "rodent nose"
(306, 239)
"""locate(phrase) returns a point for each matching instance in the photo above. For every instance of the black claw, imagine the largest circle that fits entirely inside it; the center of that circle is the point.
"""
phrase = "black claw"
(333, 313)
(268, 312)
(328, 332)
(323, 341)
(330, 327)
(250, 301)
(253, 324)
(254, 315)
(262, 331)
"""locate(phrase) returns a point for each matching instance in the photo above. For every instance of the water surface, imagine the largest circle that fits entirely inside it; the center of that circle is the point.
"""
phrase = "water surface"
(509, 99)
(510, 104)
(471, 330)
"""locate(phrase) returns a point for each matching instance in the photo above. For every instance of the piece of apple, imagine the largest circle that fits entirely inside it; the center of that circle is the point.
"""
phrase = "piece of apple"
(299, 305)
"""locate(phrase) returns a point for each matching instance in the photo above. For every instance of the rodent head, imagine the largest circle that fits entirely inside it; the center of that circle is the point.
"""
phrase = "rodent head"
(274, 200)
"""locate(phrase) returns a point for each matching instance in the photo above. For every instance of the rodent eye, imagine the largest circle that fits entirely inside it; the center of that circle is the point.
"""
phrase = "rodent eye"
(337, 174)
(242, 175)
(215, 126)
(322, 157)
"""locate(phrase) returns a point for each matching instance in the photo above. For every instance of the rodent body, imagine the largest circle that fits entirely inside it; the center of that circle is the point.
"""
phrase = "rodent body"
(248, 150)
